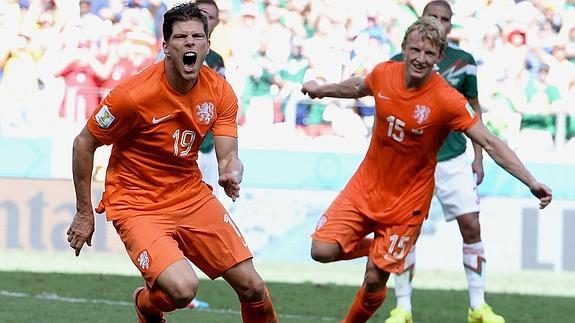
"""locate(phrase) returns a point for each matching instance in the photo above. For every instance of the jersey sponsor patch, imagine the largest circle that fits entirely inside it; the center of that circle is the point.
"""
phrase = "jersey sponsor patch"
(470, 109)
(104, 117)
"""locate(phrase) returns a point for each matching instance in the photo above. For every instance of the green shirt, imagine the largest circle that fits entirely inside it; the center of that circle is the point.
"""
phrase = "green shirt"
(459, 69)
(215, 62)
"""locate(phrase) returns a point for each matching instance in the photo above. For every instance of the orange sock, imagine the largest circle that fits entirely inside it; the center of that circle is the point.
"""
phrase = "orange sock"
(361, 250)
(364, 305)
(154, 301)
(259, 311)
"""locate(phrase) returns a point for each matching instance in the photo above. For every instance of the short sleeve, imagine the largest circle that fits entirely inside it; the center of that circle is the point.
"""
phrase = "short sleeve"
(461, 115)
(469, 87)
(115, 116)
(373, 77)
(226, 123)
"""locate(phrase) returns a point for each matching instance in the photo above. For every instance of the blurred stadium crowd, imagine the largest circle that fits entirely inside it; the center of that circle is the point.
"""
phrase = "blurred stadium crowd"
(59, 57)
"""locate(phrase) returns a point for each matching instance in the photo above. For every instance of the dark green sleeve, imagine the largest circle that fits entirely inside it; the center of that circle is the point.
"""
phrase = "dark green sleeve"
(397, 57)
(208, 143)
(469, 86)
(215, 62)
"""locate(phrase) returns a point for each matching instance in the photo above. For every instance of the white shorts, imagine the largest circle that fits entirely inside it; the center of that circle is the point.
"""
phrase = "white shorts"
(456, 187)
(208, 164)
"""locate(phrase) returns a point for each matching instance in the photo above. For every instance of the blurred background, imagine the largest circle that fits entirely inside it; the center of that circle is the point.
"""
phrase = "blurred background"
(58, 58)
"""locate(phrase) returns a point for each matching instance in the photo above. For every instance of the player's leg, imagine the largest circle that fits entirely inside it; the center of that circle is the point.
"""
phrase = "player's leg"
(388, 254)
(456, 190)
(403, 290)
(370, 295)
(171, 282)
(212, 241)
(341, 233)
(473, 257)
(255, 300)
(474, 264)
(174, 288)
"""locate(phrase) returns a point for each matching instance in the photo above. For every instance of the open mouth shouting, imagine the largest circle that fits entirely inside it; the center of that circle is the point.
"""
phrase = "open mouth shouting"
(189, 61)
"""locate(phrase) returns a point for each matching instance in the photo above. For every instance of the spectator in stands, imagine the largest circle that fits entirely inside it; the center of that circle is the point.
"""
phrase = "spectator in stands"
(539, 95)
(334, 26)
(19, 87)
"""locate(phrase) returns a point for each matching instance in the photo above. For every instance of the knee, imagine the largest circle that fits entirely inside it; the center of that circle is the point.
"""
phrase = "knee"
(252, 290)
(374, 281)
(183, 292)
(374, 278)
(324, 252)
(321, 256)
(472, 233)
(471, 230)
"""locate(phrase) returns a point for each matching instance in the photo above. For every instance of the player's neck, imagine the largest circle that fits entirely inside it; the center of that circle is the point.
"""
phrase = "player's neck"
(177, 83)
(415, 83)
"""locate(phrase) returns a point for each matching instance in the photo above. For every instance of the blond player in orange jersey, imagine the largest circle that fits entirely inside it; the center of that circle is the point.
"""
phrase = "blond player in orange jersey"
(390, 193)
(154, 195)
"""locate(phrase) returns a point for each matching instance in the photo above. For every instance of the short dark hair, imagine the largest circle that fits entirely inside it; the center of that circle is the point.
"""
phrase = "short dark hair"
(438, 3)
(208, 2)
(183, 12)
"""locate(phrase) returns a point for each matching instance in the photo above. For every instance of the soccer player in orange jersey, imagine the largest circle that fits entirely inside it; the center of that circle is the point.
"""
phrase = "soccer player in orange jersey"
(455, 186)
(390, 193)
(154, 194)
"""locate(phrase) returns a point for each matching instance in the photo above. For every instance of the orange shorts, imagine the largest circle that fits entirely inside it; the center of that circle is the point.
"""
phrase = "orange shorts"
(206, 235)
(343, 224)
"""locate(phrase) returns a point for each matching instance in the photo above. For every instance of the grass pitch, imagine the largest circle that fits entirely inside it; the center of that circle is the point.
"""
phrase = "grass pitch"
(51, 297)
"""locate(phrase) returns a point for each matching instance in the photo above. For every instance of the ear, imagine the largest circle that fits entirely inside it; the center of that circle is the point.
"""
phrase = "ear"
(165, 48)
(441, 55)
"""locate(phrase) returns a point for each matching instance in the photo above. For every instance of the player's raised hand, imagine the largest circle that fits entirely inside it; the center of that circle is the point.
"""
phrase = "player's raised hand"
(311, 88)
(81, 230)
(543, 193)
(231, 184)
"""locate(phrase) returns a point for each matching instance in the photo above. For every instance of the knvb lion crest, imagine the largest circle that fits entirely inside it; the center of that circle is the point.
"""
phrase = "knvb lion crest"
(144, 260)
(421, 113)
(205, 112)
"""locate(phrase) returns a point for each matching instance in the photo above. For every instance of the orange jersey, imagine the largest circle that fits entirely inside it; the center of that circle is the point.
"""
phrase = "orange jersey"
(156, 133)
(395, 181)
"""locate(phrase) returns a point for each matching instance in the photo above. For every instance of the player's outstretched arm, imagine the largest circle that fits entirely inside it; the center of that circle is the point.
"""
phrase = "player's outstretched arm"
(82, 226)
(230, 166)
(508, 160)
(351, 88)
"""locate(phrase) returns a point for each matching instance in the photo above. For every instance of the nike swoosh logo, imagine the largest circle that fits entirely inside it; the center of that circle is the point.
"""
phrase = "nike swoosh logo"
(158, 120)
(381, 96)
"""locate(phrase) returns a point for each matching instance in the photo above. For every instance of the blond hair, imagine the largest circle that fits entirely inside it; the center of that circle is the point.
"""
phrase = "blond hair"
(429, 28)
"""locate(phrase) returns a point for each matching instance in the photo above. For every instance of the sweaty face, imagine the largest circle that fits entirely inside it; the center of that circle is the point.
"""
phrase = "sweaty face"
(442, 14)
(185, 51)
(420, 55)
(212, 14)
